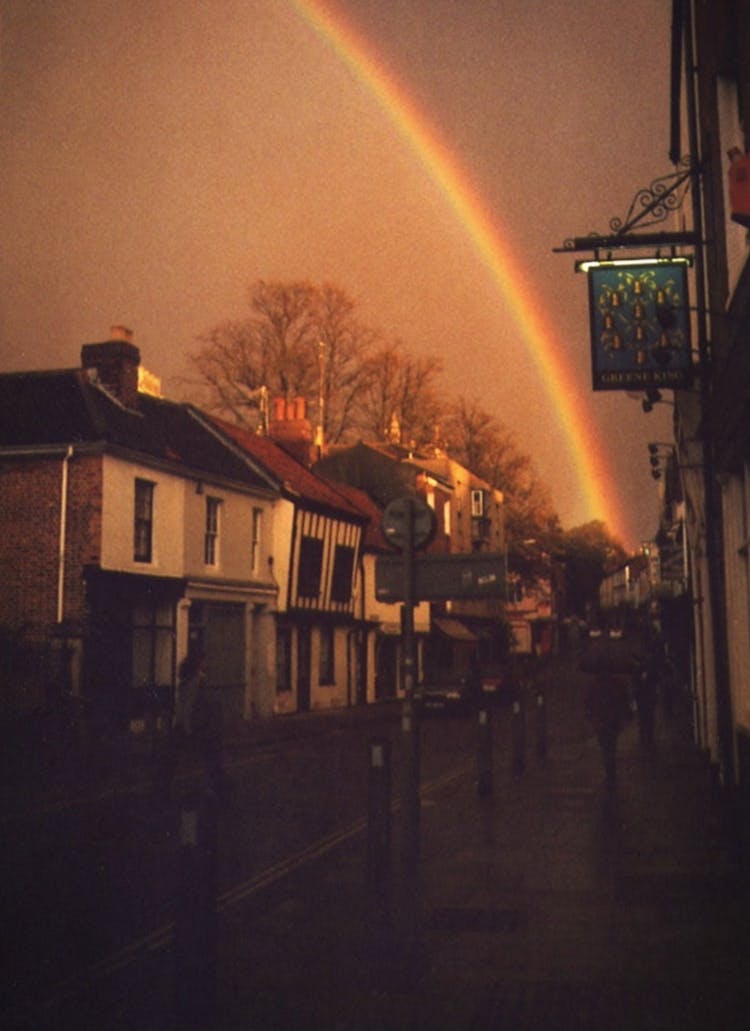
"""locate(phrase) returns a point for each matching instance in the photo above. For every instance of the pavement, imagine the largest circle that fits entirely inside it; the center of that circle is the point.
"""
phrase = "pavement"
(545, 904)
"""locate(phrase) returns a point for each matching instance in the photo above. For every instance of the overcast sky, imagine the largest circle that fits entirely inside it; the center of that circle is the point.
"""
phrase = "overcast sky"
(159, 156)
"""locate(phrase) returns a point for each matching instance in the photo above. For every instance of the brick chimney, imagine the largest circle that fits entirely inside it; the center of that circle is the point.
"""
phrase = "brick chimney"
(114, 365)
(290, 428)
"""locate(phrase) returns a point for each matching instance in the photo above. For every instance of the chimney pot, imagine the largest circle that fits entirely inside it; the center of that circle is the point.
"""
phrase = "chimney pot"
(115, 364)
(121, 333)
(291, 429)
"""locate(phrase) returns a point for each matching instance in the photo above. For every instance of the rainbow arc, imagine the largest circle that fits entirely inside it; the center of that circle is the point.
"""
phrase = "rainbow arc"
(595, 480)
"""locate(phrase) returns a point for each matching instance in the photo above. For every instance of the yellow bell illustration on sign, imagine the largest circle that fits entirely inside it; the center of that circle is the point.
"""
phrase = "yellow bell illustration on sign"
(640, 327)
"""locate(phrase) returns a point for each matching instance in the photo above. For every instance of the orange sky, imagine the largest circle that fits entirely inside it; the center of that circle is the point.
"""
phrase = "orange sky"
(160, 157)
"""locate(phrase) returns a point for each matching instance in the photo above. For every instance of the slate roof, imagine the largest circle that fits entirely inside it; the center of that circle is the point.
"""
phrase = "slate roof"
(385, 471)
(48, 409)
(39, 408)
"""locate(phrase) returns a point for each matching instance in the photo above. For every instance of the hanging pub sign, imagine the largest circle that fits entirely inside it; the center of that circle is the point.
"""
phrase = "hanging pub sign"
(640, 326)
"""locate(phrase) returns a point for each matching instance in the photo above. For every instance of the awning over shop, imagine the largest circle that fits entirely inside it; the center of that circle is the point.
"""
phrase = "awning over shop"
(113, 584)
(455, 630)
(397, 630)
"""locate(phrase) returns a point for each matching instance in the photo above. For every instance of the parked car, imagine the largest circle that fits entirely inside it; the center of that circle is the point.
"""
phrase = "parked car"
(496, 684)
(449, 697)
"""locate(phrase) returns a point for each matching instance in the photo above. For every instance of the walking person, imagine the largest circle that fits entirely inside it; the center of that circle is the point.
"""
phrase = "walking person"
(196, 725)
(607, 707)
(645, 692)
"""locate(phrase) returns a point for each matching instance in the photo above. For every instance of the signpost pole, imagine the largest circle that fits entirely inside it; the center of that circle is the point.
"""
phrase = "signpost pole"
(410, 752)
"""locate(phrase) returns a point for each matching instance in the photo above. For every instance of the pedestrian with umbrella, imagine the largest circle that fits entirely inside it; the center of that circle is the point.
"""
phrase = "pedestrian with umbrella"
(607, 697)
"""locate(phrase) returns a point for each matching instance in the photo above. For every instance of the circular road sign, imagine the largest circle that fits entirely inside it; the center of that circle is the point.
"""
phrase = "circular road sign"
(396, 521)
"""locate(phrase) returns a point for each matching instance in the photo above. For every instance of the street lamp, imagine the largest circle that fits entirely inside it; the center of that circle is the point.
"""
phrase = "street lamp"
(659, 453)
(653, 397)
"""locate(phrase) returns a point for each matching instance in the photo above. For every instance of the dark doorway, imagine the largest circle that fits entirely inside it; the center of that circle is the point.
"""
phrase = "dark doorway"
(386, 667)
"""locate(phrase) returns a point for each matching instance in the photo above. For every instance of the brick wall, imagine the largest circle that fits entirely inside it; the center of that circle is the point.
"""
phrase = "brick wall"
(30, 491)
(84, 530)
(36, 660)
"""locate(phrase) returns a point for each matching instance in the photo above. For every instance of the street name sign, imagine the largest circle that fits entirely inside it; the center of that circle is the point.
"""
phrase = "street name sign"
(442, 577)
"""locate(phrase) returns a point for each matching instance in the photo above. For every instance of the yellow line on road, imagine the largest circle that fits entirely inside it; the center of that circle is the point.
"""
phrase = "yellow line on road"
(162, 936)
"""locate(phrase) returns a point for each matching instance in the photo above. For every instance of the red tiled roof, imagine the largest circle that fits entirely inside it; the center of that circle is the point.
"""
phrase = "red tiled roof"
(293, 477)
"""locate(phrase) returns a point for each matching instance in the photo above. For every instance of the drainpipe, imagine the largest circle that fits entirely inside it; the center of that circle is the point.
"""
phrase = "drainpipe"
(63, 532)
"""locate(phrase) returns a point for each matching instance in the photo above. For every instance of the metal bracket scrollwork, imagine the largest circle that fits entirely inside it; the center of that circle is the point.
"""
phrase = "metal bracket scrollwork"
(651, 206)
(654, 204)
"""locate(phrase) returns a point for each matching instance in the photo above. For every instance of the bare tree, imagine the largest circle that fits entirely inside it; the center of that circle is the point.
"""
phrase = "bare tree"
(300, 339)
(227, 372)
(344, 348)
(589, 551)
(480, 442)
(400, 397)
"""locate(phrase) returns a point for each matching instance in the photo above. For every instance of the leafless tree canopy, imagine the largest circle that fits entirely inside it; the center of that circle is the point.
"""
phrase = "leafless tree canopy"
(302, 339)
(480, 442)
(305, 340)
(400, 400)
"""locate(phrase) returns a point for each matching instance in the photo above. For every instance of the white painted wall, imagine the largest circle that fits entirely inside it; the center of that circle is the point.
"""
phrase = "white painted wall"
(234, 552)
(282, 528)
(118, 515)
(179, 526)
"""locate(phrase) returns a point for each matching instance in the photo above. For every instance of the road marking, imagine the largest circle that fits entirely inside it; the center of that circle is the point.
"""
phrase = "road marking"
(162, 937)
(142, 786)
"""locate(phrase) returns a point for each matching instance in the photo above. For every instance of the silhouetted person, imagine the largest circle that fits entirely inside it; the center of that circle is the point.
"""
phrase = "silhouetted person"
(607, 709)
(196, 730)
(668, 687)
(645, 691)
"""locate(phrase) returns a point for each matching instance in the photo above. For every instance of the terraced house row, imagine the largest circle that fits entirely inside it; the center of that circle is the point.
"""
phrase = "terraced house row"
(132, 526)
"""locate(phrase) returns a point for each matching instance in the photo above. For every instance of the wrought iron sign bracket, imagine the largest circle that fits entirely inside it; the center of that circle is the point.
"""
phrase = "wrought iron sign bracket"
(650, 207)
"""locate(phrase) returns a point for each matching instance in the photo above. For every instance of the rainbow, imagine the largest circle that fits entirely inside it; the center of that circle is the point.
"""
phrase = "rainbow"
(595, 479)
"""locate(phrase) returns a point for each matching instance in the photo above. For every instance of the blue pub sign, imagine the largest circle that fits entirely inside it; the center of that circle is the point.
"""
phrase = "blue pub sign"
(640, 323)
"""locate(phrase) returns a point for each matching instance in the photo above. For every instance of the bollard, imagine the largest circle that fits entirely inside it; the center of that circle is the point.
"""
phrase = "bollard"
(379, 846)
(541, 725)
(484, 753)
(518, 737)
(195, 919)
(410, 818)
(379, 857)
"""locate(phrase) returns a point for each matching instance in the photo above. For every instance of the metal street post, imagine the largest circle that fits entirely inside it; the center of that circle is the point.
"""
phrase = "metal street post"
(410, 749)
(541, 724)
(484, 751)
(195, 916)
